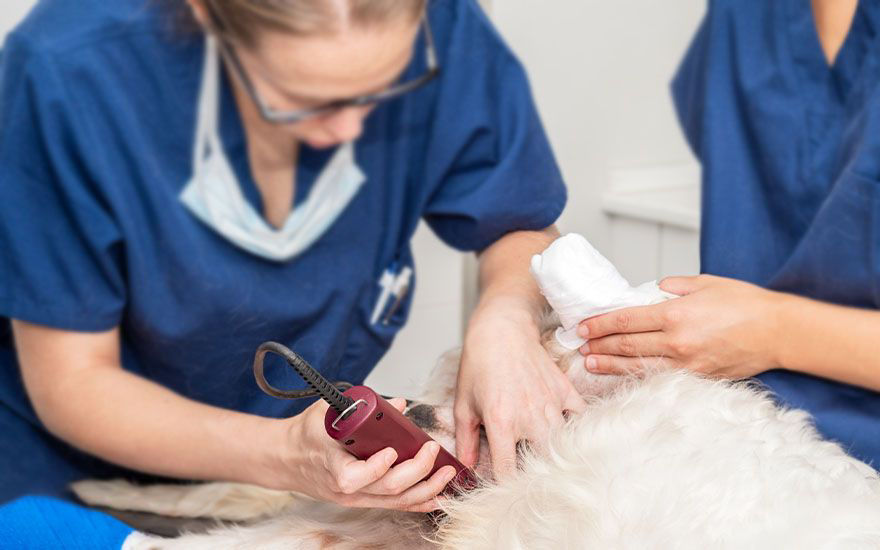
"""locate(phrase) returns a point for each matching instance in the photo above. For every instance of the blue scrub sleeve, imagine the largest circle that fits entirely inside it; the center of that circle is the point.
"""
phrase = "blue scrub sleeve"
(39, 523)
(489, 159)
(60, 250)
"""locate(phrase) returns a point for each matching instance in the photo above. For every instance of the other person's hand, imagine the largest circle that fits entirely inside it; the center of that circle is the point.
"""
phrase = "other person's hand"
(718, 327)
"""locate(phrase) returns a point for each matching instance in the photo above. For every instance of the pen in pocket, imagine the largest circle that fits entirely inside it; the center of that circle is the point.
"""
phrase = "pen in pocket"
(400, 291)
(387, 284)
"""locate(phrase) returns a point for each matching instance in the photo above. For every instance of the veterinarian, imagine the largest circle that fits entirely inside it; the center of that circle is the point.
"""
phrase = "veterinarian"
(781, 103)
(184, 179)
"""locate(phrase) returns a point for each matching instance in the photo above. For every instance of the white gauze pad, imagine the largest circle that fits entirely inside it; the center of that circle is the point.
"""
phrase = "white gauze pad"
(579, 283)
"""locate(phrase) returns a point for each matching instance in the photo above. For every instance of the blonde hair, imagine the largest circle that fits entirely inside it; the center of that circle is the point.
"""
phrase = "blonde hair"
(243, 20)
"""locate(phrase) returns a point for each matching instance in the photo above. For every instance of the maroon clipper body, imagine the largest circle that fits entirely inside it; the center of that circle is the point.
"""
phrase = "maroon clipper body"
(373, 424)
(360, 419)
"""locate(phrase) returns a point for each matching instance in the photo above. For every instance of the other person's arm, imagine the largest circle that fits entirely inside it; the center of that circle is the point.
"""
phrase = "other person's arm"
(724, 327)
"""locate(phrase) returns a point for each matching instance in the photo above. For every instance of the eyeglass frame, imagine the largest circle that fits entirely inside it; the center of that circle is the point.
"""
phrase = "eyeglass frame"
(292, 117)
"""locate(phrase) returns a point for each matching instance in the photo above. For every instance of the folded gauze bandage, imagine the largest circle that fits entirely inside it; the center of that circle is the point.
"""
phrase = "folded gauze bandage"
(580, 283)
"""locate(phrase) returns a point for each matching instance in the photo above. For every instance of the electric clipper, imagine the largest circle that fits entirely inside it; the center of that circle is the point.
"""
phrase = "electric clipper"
(361, 420)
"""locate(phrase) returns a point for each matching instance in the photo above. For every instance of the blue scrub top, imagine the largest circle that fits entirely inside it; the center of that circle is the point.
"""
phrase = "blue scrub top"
(97, 121)
(790, 150)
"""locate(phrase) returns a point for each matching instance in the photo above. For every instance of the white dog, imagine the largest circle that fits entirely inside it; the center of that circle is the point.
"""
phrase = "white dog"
(664, 460)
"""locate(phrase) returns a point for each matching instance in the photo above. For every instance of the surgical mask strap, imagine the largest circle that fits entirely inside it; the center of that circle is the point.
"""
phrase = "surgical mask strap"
(208, 105)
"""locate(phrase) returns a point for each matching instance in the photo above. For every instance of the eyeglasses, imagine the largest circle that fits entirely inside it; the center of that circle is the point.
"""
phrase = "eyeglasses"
(290, 117)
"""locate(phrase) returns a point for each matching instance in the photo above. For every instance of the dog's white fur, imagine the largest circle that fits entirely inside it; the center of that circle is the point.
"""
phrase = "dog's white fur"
(663, 460)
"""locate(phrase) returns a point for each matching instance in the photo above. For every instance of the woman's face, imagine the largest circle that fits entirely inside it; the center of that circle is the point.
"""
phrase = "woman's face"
(300, 72)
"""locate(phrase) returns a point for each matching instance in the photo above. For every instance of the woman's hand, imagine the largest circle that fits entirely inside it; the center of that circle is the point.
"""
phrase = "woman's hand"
(718, 327)
(316, 465)
(508, 383)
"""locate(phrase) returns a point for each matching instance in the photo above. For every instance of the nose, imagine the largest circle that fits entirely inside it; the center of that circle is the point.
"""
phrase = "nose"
(347, 124)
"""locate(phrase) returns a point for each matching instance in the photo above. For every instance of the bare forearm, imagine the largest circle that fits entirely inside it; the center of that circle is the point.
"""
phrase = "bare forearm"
(131, 421)
(504, 270)
(81, 393)
(835, 342)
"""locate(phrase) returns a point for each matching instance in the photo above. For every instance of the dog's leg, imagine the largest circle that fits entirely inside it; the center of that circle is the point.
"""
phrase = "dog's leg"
(307, 526)
(222, 501)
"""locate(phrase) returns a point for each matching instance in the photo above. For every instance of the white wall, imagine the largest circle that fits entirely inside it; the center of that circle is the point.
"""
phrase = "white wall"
(600, 71)
(11, 12)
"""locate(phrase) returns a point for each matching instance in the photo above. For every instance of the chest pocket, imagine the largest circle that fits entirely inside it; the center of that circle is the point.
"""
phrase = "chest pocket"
(384, 307)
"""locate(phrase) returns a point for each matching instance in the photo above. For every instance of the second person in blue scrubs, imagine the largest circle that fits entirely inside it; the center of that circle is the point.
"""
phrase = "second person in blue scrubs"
(781, 103)
(180, 181)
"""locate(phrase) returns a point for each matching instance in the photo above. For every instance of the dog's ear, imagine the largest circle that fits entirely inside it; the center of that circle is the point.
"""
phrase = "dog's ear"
(562, 356)
(548, 325)
(549, 319)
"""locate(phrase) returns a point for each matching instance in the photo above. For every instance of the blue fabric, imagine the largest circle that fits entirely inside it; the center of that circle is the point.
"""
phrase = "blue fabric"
(39, 523)
(97, 120)
(790, 150)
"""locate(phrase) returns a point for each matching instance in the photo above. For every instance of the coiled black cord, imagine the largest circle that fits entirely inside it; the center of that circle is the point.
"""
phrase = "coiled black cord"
(331, 393)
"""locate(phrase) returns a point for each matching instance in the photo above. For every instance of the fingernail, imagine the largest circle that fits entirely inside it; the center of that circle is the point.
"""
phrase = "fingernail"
(584, 331)
(434, 447)
(391, 457)
(592, 364)
(585, 349)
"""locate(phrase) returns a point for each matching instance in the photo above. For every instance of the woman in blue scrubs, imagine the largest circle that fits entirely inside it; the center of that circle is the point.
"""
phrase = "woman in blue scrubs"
(180, 181)
(781, 103)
